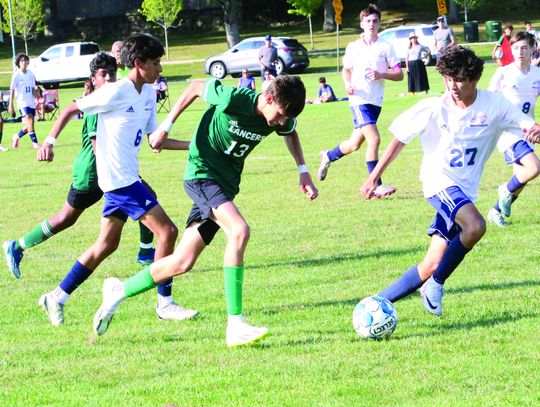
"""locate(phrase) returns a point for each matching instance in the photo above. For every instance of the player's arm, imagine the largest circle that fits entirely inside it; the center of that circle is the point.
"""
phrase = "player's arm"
(346, 74)
(452, 38)
(396, 74)
(45, 153)
(192, 92)
(174, 144)
(295, 148)
(11, 110)
(393, 150)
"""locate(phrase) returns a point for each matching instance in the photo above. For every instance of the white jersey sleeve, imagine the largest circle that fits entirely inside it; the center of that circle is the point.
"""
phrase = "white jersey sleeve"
(495, 84)
(104, 99)
(414, 121)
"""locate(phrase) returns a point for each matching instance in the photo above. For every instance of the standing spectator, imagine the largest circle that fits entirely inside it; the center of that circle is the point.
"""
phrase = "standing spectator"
(267, 80)
(122, 70)
(502, 52)
(246, 80)
(23, 86)
(444, 36)
(2, 108)
(268, 57)
(530, 30)
(416, 69)
(365, 68)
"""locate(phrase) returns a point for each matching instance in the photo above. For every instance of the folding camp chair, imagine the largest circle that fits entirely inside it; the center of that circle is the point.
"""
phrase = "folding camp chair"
(51, 98)
(162, 95)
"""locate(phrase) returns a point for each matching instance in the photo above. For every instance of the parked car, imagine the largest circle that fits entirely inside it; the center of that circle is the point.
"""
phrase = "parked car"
(64, 63)
(293, 57)
(399, 38)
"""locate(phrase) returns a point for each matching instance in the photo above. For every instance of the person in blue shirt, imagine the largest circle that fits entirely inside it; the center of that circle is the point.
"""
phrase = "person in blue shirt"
(326, 93)
(246, 80)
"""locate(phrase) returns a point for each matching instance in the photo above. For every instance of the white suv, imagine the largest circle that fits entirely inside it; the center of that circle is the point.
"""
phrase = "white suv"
(399, 38)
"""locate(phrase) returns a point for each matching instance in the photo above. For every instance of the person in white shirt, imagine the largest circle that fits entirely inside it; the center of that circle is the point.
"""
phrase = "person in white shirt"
(458, 132)
(519, 82)
(126, 112)
(24, 88)
(365, 68)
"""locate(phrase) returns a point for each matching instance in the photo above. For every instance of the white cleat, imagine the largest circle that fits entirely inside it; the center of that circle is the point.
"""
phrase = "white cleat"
(505, 200)
(432, 293)
(105, 313)
(242, 334)
(175, 312)
(53, 309)
(3, 149)
(325, 164)
(383, 190)
(497, 218)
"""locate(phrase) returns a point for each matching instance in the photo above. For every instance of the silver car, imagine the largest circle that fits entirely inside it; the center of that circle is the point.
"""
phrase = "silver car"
(292, 57)
(399, 38)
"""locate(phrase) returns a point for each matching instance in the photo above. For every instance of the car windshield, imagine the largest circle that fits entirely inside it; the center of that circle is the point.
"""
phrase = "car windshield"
(290, 43)
(427, 31)
(89, 49)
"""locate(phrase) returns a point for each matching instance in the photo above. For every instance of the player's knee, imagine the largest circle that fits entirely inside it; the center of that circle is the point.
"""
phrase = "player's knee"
(475, 230)
(241, 233)
(107, 246)
(168, 233)
(428, 267)
(183, 265)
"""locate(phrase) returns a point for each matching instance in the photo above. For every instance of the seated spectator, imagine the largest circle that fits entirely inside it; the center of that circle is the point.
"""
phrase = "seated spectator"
(45, 103)
(266, 80)
(325, 94)
(161, 87)
(246, 80)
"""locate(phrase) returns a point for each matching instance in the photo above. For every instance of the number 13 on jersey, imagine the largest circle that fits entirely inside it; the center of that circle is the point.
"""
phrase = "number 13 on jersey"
(240, 151)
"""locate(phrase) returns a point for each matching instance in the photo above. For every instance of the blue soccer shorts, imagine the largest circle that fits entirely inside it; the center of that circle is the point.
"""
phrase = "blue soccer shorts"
(447, 203)
(365, 114)
(517, 151)
(25, 111)
(133, 201)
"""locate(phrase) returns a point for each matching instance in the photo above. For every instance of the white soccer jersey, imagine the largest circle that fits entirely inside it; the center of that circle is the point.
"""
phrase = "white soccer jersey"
(522, 90)
(24, 84)
(125, 117)
(457, 142)
(360, 57)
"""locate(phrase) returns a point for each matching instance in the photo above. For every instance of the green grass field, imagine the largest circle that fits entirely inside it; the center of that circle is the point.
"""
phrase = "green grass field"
(307, 265)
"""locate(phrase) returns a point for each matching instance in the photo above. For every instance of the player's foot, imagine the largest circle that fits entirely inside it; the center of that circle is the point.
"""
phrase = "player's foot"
(105, 313)
(53, 309)
(175, 312)
(36, 146)
(241, 334)
(3, 149)
(383, 190)
(325, 164)
(505, 200)
(146, 259)
(494, 216)
(15, 143)
(13, 258)
(432, 296)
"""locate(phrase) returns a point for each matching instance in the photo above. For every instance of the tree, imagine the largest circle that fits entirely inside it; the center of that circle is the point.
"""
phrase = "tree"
(162, 12)
(231, 17)
(329, 24)
(305, 8)
(469, 5)
(28, 17)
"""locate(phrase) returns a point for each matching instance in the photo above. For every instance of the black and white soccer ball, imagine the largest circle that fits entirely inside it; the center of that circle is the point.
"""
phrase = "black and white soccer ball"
(375, 318)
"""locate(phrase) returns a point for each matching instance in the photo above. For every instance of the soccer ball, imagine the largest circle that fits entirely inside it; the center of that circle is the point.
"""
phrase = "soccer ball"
(374, 318)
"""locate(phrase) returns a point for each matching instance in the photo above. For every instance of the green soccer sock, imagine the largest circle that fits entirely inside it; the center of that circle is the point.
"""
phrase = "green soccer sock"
(139, 283)
(147, 238)
(38, 235)
(234, 279)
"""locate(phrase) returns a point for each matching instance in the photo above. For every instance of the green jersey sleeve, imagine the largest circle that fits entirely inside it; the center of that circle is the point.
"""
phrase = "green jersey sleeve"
(214, 93)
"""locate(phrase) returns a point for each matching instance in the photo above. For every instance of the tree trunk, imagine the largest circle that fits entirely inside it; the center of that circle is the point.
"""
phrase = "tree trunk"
(166, 43)
(311, 33)
(52, 28)
(231, 17)
(329, 24)
(452, 12)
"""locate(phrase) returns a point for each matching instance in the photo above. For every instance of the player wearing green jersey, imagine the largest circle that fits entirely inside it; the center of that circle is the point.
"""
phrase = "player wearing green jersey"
(236, 121)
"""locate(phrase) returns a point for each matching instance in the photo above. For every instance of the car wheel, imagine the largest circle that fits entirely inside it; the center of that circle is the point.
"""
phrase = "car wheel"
(280, 66)
(217, 70)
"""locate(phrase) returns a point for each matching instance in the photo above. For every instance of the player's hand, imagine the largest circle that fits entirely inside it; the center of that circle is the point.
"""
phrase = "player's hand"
(368, 188)
(349, 88)
(156, 139)
(373, 75)
(307, 187)
(45, 152)
(11, 111)
(533, 134)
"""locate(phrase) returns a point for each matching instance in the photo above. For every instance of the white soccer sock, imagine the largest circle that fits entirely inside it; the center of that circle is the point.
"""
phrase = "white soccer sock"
(163, 301)
(235, 320)
(59, 295)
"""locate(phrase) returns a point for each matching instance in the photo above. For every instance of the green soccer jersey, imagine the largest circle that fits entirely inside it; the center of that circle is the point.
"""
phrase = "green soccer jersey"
(84, 167)
(228, 131)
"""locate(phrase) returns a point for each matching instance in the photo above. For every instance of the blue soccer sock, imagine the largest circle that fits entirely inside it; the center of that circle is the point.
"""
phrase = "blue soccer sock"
(453, 256)
(77, 275)
(33, 137)
(335, 154)
(371, 166)
(165, 289)
(408, 283)
(22, 132)
(497, 207)
(514, 184)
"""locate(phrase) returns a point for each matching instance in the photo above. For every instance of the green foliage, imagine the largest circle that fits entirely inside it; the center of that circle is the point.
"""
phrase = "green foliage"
(162, 12)
(28, 18)
(304, 7)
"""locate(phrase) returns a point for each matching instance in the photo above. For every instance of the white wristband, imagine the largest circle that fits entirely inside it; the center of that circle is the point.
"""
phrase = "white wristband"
(50, 140)
(303, 169)
(166, 125)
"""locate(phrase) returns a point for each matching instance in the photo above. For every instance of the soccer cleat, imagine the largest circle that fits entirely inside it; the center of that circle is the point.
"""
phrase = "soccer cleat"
(432, 293)
(53, 309)
(15, 143)
(242, 334)
(13, 258)
(325, 164)
(3, 149)
(105, 313)
(36, 146)
(505, 200)
(494, 216)
(383, 190)
(146, 259)
(175, 312)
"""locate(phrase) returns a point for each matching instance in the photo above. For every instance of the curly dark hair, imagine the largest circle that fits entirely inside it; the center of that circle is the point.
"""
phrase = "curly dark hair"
(20, 57)
(460, 63)
(102, 60)
(288, 92)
